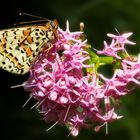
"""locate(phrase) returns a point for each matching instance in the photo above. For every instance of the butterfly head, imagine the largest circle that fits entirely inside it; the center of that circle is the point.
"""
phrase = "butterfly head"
(53, 26)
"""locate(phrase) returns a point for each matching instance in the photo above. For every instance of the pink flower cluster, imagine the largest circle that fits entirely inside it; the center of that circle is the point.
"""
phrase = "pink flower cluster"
(67, 94)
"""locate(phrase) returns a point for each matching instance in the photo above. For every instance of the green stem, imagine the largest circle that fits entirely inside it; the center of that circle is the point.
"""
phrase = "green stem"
(106, 59)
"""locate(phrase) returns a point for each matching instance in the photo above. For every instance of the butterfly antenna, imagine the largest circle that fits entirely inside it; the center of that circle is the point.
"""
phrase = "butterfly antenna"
(30, 15)
(27, 22)
(42, 19)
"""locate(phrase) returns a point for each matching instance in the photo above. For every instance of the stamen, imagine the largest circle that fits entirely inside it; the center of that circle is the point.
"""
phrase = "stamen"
(52, 126)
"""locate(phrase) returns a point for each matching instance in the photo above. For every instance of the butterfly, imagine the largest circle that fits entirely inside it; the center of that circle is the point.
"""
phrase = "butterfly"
(20, 47)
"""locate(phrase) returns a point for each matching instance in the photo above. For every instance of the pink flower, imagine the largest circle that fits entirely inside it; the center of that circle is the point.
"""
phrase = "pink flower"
(67, 93)
(130, 72)
(114, 87)
(110, 50)
(122, 39)
(117, 45)
(109, 116)
(58, 82)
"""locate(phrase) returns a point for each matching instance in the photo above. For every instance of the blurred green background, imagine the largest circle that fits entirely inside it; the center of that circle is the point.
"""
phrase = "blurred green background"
(100, 17)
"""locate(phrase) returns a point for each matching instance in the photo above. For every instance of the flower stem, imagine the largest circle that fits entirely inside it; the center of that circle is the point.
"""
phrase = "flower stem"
(106, 59)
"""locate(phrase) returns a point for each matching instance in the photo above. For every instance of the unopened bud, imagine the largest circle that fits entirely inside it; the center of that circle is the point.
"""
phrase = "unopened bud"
(82, 25)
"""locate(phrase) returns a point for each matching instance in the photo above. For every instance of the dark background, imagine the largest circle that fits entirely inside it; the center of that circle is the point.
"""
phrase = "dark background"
(100, 17)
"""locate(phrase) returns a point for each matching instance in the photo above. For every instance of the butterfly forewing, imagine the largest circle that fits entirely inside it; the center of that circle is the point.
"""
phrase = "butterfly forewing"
(19, 47)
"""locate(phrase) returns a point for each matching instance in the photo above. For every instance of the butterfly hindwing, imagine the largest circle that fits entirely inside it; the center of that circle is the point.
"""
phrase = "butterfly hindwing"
(19, 47)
